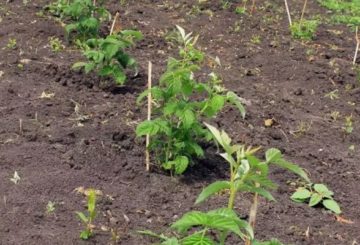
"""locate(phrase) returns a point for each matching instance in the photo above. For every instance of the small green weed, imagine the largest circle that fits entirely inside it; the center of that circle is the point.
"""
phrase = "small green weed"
(348, 126)
(50, 207)
(315, 194)
(90, 217)
(55, 44)
(12, 43)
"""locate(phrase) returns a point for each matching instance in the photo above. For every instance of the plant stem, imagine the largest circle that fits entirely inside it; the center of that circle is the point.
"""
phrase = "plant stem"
(288, 12)
(232, 188)
(357, 37)
(147, 154)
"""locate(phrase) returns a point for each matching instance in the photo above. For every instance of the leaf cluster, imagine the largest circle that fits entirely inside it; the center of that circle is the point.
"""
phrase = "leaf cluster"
(345, 11)
(315, 194)
(107, 56)
(81, 16)
(247, 174)
(181, 103)
(304, 29)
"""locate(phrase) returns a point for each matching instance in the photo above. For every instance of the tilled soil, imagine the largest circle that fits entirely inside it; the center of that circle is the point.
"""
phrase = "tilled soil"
(56, 148)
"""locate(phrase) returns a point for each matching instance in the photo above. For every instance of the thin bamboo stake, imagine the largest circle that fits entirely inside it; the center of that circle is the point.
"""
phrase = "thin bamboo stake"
(114, 22)
(303, 12)
(252, 214)
(147, 154)
(288, 12)
(357, 37)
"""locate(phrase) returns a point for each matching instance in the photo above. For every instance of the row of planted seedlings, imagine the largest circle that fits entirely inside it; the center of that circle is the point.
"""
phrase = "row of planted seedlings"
(179, 105)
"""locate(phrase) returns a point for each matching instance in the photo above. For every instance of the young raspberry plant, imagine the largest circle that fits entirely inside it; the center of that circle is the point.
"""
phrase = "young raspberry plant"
(247, 174)
(107, 56)
(181, 103)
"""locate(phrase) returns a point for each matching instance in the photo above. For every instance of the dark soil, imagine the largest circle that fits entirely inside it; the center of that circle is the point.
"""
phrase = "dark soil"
(56, 150)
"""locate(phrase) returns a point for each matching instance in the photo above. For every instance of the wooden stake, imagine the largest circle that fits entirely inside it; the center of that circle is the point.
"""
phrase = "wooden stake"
(114, 22)
(357, 38)
(288, 12)
(147, 154)
(253, 6)
(252, 214)
(303, 12)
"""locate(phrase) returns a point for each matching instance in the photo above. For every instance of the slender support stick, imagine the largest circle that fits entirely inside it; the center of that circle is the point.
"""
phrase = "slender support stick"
(114, 22)
(303, 12)
(288, 12)
(253, 6)
(252, 214)
(357, 37)
(147, 154)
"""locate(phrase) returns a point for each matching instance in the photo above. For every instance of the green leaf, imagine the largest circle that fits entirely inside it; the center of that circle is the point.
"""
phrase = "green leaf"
(171, 241)
(197, 239)
(253, 189)
(119, 75)
(215, 104)
(212, 189)
(91, 202)
(82, 217)
(189, 220)
(272, 155)
(292, 167)
(196, 148)
(181, 164)
(230, 214)
(234, 99)
(315, 199)
(301, 194)
(110, 50)
(147, 127)
(188, 118)
(170, 108)
(89, 67)
(322, 189)
(78, 65)
(332, 205)
(85, 235)
(70, 28)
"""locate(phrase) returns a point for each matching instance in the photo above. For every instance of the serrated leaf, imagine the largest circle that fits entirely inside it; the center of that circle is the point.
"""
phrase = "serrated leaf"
(230, 214)
(234, 99)
(332, 205)
(272, 155)
(292, 167)
(181, 164)
(147, 127)
(211, 190)
(315, 199)
(322, 189)
(301, 194)
(253, 189)
(189, 220)
(188, 118)
(197, 239)
(171, 241)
